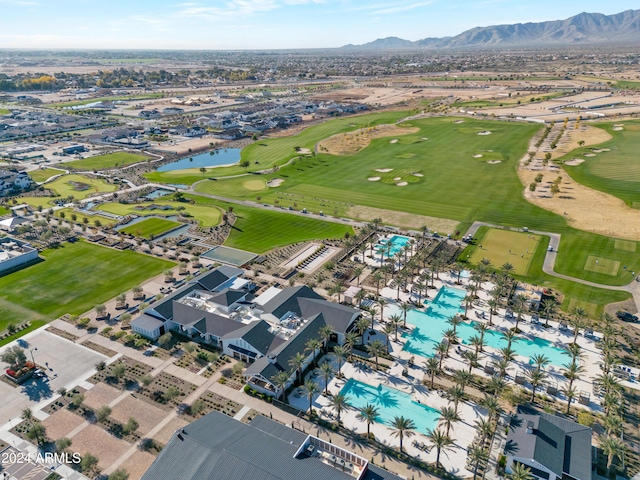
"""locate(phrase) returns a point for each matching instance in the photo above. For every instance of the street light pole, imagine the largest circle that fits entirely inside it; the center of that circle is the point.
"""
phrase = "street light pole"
(31, 351)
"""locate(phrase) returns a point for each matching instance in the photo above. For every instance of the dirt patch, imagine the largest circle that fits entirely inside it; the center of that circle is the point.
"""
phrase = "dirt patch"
(101, 395)
(95, 440)
(373, 179)
(165, 433)
(494, 162)
(146, 415)
(574, 162)
(628, 305)
(384, 170)
(275, 182)
(352, 142)
(402, 219)
(61, 423)
(137, 464)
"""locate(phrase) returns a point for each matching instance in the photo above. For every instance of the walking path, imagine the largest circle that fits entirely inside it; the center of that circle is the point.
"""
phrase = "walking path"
(548, 265)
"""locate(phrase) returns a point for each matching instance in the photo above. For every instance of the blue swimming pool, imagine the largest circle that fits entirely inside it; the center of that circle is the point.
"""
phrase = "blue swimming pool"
(397, 244)
(431, 324)
(390, 403)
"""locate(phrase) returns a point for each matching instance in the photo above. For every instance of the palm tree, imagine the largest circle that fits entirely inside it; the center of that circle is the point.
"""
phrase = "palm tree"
(377, 277)
(376, 348)
(325, 333)
(296, 362)
(468, 300)
(548, 305)
(280, 380)
(496, 386)
(572, 372)
(419, 286)
(611, 403)
(356, 273)
(492, 405)
(311, 388)
(608, 382)
(485, 427)
(570, 393)
(456, 394)
(351, 338)
(510, 336)
(433, 368)
(573, 350)
(613, 425)
(326, 371)
(442, 350)
(502, 366)
(540, 361)
(462, 378)
(368, 414)
(481, 328)
(493, 304)
(312, 346)
(448, 416)
(506, 269)
(361, 295)
(454, 321)
(405, 307)
(381, 303)
(439, 440)
(402, 427)
(472, 358)
(477, 455)
(520, 472)
(612, 447)
(340, 353)
(372, 311)
(477, 343)
(339, 403)
(579, 314)
(388, 329)
(361, 325)
(536, 378)
(518, 309)
(395, 321)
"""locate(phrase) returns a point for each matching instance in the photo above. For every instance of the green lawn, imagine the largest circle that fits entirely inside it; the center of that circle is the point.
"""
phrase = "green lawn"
(150, 227)
(270, 152)
(44, 174)
(80, 217)
(504, 246)
(4, 111)
(110, 160)
(80, 186)
(72, 279)
(86, 101)
(616, 171)
(4, 210)
(206, 215)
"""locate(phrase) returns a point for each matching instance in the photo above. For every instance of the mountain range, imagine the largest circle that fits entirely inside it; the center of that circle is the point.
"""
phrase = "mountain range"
(581, 29)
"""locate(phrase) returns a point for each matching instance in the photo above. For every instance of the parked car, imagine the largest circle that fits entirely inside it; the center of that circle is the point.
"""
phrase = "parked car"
(626, 316)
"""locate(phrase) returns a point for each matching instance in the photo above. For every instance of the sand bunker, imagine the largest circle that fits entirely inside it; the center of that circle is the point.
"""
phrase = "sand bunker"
(618, 124)
(617, 129)
(304, 151)
(417, 174)
(459, 121)
(484, 132)
(574, 162)
(352, 142)
(276, 182)
(373, 179)
(402, 184)
(424, 139)
(494, 162)
(597, 150)
(395, 140)
(397, 178)
(589, 154)
(384, 170)
(478, 155)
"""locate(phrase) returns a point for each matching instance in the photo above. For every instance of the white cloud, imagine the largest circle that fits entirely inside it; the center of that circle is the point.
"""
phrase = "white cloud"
(400, 8)
(235, 8)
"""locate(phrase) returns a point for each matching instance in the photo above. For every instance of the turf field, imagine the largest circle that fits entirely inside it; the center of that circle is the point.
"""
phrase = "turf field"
(267, 153)
(44, 174)
(80, 186)
(72, 279)
(616, 171)
(150, 227)
(80, 217)
(206, 215)
(110, 160)
(504, 246)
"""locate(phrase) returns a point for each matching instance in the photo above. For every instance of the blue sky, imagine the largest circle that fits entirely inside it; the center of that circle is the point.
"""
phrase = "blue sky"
(261, 24)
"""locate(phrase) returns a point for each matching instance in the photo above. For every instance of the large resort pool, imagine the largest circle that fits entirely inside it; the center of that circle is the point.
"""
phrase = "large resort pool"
(431, 325)
(391, 403)
(394, 244)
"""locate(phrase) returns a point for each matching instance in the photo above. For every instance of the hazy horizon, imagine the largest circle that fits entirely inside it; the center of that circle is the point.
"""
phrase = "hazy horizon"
(261, 24)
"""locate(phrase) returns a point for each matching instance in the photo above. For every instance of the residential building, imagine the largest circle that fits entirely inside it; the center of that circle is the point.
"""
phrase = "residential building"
(15, 253)
(552, 447)
(219, 447)
(13, 181)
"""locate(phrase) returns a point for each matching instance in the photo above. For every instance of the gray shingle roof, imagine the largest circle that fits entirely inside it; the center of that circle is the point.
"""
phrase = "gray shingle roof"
(227, 297)
(256, 334)
(561, 445)
(287, 301)
(339, 317)
(164, 307)
(217, 447)
(218, 276)
(147, 322)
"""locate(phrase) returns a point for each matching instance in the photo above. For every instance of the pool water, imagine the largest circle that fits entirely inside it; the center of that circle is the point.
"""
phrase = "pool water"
(431, 325)
(160, 192)
(397, 244)
(390, 403)
(210, 159)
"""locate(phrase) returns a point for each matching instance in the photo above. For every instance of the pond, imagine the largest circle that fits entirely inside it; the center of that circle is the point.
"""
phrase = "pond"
(215, 158)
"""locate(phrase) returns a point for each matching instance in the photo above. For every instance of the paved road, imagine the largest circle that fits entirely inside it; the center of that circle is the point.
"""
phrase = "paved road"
(548, 266)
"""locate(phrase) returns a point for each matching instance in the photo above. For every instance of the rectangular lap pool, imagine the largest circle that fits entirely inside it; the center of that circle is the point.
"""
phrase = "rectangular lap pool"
(390, 403)
(431, 325)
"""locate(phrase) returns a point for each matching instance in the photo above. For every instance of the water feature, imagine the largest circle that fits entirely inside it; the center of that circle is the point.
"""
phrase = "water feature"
(160, 192)
(391, 403)
(397, 244)
(227, 156)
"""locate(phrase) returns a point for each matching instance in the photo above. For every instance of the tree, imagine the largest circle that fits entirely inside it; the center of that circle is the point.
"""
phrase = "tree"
(439, 440)
(103, 413)
(119, 474)
(520, 472)
(131, 425)
(197, 407)
(118, 371)
(368, 414)
(448, 416)
(454, 321)
(171, 393)
(146, 379)
(340, 352)
(88, 463)
(477, 455)
(376, 348)
(77, 400)
(381, 303)
(433, 368)
(62, 444)
(339, 403)
(325, 332)
(37, 432)
(312, 346)
(165, 340)
(540, 361)
(311, 388)
(536, 378)
(395, 322)
(456, 395)
(296, 362)
(280, 380)
(326, 371)
(27, 416)
(14, 356)
(402, 427)
(492, 405)
(548, 305)
(577, 322)
(11, 329)
(245, 164)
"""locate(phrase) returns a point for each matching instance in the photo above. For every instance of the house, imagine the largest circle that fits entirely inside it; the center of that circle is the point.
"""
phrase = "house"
(149, 114)
(173, 111)
(233, 134)
(12, 223)
(71, 149)
(551, 446)
(15, 253)
(13, 181)
(219, 447)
